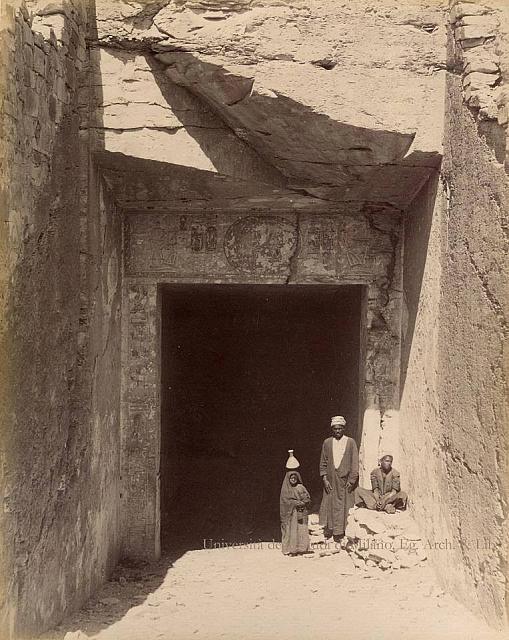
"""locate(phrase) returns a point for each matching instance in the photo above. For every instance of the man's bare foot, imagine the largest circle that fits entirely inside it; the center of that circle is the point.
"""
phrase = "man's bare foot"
(390, 508)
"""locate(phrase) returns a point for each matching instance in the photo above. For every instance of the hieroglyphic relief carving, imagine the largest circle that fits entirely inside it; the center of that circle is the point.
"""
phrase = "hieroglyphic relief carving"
(303, 248)
(203, 236)
(155, 245)
(350, 248)
(260, 244)
(141, 426)
(354, 245)
(165, 244)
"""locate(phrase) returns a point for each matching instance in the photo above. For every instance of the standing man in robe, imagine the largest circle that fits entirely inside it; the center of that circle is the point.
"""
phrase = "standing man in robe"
(339, 469)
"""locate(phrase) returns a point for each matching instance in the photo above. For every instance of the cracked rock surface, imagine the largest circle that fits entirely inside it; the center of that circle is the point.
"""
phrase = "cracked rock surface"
(339, 99)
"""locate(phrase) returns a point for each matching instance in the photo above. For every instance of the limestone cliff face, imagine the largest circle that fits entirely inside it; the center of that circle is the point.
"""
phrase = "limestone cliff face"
(341, 101)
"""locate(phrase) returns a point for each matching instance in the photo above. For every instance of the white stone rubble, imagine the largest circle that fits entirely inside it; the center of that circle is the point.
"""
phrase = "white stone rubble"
(373, 540)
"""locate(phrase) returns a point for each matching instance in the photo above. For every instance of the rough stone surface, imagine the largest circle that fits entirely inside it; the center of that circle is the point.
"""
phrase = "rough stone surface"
(139, 111)
(382, 540)
(454, 366)
(478, 53)
(60, 332)
(287, 81)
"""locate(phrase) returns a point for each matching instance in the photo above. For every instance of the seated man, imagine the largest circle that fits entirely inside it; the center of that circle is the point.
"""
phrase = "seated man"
(386, 494)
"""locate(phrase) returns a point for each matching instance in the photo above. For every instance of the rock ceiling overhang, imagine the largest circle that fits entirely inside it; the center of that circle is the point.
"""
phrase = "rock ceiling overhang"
(141, 185)
(294, 128)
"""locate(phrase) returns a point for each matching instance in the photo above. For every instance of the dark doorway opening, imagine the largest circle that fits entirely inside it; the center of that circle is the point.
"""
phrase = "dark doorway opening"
(249, 372)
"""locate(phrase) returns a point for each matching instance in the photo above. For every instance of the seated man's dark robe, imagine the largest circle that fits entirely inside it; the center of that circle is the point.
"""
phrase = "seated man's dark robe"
(384, 483)
(335, 505)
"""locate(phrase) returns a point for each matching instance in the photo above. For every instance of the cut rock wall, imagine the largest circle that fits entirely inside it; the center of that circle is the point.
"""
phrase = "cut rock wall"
(454, 373)
(61, 279)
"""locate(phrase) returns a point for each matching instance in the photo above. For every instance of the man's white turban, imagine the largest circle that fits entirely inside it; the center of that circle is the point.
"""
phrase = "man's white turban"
(337, 420)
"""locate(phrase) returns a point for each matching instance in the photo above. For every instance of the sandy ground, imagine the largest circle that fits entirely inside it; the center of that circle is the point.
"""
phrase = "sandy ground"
(259, 594)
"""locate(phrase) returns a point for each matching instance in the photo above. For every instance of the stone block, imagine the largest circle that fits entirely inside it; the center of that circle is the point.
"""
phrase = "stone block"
(228, 89)
(372, 521)
(31, 102)
(501, 95)
(61, 90)
(41, 29)
(353, 531)
(471, 43)
(482, 67)
(28, 55)
(466, 9)
(39, 61)
(178, 25)
(18, 27)
(39, 40)
(56, 24)
(503, 115)
(395, 533)
(53, 7)
(481, 61)
(26, 77)
(478, 80)
(482, 21)
(488, 111)
(480, 98)
(40, 85)
(52, 108)
(28, 36)
(72, 51)
(136, 116)
(43, 143)
(473, 32)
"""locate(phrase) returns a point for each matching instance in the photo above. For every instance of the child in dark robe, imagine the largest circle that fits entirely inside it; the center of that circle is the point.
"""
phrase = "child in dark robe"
(293, 506)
